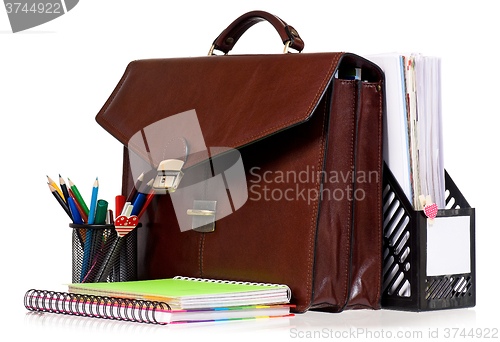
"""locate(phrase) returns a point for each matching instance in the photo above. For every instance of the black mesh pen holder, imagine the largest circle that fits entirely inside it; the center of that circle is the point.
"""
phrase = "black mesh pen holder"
(100, 255)
(427, 265)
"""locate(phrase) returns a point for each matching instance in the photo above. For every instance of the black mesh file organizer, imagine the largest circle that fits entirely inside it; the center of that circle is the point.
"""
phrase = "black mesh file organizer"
(103, 256)
(406, 283)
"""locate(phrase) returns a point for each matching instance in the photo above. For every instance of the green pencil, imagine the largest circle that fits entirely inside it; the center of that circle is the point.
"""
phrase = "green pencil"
(79, 197)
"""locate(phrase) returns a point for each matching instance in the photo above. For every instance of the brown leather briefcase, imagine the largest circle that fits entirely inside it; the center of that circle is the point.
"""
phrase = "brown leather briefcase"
(271, 166)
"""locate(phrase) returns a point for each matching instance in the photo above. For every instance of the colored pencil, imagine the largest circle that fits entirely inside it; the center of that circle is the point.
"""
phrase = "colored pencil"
(60, 200)
(81, 232)
(64, 188)
(76, 219)
(74, 211)
(78, 206)
(51, 182)
(87, 254)
(151, 195)
(107, 241)
(135, 189)
(149, 186)
(98, 241)
(93, 202)
(78, 196)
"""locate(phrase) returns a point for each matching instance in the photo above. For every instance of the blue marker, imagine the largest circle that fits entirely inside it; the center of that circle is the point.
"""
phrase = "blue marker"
(140, 199)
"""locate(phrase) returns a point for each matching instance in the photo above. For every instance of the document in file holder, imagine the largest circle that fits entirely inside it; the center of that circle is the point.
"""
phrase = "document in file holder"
(413, 147)
(430, 135)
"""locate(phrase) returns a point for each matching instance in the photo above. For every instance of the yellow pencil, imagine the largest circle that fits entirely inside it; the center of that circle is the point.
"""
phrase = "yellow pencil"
(51, 182)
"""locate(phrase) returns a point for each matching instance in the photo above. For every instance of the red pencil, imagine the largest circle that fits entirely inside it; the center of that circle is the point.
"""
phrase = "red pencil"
(148, 200)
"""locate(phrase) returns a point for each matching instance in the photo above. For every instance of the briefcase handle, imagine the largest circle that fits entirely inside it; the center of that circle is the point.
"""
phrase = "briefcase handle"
(228, 38)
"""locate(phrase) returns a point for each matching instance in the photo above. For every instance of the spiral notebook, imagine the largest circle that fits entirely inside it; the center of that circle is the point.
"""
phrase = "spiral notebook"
(141, 311)
(190, 293)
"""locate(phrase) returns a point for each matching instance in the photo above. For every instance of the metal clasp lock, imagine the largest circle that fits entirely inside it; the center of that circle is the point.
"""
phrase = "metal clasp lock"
(203, 215)
(169, 175)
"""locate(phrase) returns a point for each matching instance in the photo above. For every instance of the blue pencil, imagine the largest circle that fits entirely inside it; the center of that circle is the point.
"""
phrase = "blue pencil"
(88, 235)
(93, 202)
(77, 218)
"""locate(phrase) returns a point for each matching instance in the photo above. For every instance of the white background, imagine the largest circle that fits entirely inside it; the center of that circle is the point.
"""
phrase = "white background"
(55, 78)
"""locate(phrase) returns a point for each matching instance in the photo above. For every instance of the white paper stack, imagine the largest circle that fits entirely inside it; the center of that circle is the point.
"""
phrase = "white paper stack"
(413, 145)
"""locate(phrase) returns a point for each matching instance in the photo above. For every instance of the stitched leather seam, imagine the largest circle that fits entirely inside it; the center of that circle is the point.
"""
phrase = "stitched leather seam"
(200, 255)
(208, 174)
(349, 216)
(379, 193)
(379, 188)
(183, 144)
(314, 217)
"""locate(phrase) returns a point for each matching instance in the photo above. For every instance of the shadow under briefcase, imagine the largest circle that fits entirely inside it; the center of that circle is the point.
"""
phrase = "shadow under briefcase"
(271, 167)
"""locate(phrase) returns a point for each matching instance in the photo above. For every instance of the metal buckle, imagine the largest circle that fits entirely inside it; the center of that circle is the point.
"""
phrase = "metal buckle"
(169, 175)
(203, 213)
(287, 45)
(211, 51)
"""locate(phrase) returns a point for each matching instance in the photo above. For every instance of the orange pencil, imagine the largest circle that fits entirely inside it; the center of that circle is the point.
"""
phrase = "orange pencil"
(51, 182)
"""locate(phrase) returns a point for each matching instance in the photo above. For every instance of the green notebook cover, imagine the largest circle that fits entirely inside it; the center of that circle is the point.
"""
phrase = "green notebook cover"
(189, 290)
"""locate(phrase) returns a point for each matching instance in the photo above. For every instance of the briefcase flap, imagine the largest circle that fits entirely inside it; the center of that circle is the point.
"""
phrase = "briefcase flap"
(237, 99)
